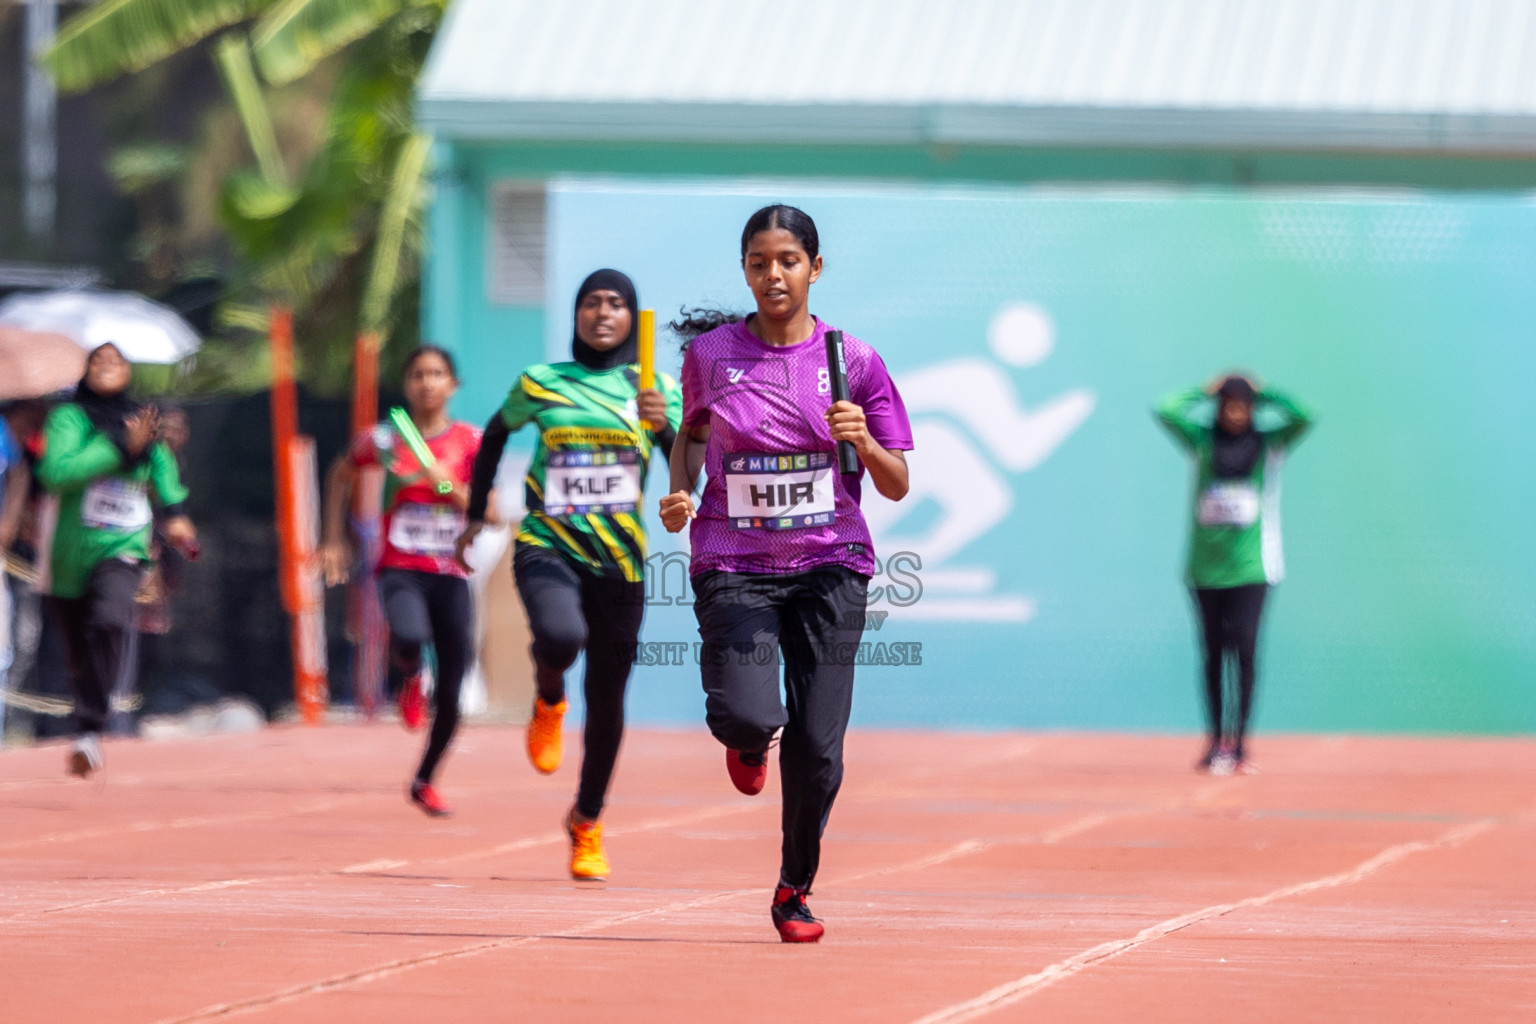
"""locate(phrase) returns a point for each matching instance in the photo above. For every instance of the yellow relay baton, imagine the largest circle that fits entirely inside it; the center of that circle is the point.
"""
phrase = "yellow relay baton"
(647, 355)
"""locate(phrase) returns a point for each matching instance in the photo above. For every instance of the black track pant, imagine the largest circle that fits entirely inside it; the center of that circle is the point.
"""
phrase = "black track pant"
(431, 608)
(815, 619)
(95, 627)
(570, 609)
(1229, 625)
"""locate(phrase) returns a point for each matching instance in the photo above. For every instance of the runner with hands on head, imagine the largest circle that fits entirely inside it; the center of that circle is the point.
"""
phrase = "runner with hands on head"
(1234, 548)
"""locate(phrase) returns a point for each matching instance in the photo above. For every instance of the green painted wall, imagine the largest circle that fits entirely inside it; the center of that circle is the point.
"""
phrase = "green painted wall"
(1406, 319)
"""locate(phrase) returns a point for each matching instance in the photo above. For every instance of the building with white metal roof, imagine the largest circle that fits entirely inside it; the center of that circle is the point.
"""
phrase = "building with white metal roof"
(1387, 75)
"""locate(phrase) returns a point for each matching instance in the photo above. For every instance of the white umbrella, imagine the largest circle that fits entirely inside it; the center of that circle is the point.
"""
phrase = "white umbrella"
(144, 331)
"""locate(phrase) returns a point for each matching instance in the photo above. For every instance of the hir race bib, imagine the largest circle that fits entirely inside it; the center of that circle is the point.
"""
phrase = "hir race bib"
(604, 482)
(1229, 503)
(117, 505)
(779, 492)
(430, 530)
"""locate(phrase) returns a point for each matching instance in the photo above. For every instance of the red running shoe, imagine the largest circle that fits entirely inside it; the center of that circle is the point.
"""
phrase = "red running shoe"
(423, 795)
(749, 769)
(412, 703)
(793, 918)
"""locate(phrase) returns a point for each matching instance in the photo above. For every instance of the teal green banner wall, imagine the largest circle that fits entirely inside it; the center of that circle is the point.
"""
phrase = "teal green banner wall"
(1032, 329)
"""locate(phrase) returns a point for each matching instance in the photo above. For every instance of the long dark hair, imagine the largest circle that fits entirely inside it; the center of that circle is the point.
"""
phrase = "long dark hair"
(430, 350)
(789, 218)
(701, 320)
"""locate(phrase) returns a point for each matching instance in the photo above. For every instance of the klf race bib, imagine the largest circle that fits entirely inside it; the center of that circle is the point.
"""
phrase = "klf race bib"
(1230, 503)
(779, 492)
(430, 530)
(604, 482)
(115, 504)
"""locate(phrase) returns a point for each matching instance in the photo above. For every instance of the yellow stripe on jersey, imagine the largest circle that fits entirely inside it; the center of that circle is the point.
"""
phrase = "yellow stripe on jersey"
(573, 545)
(533, 390)
(616, 548)
(633, 528)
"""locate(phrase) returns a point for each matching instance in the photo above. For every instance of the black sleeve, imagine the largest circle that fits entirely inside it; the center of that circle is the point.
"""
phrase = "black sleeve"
(666, 437)
(492, 443)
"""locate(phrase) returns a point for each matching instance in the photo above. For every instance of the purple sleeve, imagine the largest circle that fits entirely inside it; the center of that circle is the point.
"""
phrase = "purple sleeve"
(885, 414)
(695, 407)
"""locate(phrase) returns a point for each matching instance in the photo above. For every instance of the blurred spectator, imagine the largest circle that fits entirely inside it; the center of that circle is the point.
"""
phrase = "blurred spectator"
(13, 495)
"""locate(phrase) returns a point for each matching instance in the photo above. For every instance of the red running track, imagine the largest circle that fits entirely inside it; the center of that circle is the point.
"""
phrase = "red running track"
(1000, 877)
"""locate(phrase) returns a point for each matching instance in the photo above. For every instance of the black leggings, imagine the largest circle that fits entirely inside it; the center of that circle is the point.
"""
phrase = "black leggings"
(430, 608)
(95, 627)
(815, 620)
(1229, 621)
(570, 609)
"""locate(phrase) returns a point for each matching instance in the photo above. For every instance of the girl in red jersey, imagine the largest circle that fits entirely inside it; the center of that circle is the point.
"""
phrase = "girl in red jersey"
(424, 590)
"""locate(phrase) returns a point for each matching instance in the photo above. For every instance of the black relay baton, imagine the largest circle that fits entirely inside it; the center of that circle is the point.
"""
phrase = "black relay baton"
(837, 369)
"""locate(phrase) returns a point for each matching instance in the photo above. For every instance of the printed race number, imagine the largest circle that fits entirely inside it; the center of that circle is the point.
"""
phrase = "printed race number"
(115, 504)
(430, 530)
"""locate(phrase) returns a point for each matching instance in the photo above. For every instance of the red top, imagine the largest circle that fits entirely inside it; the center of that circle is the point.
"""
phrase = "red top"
(419, 525)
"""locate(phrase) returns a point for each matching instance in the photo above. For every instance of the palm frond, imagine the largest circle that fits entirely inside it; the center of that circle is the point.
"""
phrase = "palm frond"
(295, 35)
(117, 36)
(138, 168)
(234, 58)
(256, 197)
(390, 248)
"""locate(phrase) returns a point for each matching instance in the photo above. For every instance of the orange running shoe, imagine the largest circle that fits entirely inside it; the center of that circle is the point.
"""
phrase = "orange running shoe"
(589, 863)
(412, 703)
(546, 735)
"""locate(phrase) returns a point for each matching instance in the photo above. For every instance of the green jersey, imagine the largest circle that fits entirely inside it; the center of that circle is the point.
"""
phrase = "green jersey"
(104, 506)
(586, 486)
(1235, 522)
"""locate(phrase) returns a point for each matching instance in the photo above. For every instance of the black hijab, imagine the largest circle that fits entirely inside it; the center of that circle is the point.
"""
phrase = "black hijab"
(1235, 455)
(107, 413)
(626, 351)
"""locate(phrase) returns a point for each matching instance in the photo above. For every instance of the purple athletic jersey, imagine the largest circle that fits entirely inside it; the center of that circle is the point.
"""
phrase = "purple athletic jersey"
(774, 501)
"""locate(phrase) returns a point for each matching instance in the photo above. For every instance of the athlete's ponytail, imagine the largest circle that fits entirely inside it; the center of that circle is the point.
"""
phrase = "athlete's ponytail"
(693, 322)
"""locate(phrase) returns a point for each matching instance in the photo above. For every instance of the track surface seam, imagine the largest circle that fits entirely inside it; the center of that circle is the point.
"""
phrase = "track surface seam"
(1022, 988)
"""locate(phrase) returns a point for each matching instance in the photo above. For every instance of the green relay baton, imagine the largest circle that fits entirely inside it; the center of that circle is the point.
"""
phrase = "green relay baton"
(413, 440)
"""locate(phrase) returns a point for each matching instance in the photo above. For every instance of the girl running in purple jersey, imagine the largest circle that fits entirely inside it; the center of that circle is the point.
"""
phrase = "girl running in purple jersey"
(781, 555)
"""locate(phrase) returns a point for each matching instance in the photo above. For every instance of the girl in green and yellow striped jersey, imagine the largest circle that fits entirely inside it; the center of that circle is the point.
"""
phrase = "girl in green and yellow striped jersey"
(580, 555)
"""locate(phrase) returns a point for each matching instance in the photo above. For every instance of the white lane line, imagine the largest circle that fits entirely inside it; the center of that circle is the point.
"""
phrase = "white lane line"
(50, 838)
(533, 842)
(395, 967)
(1022, 988)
